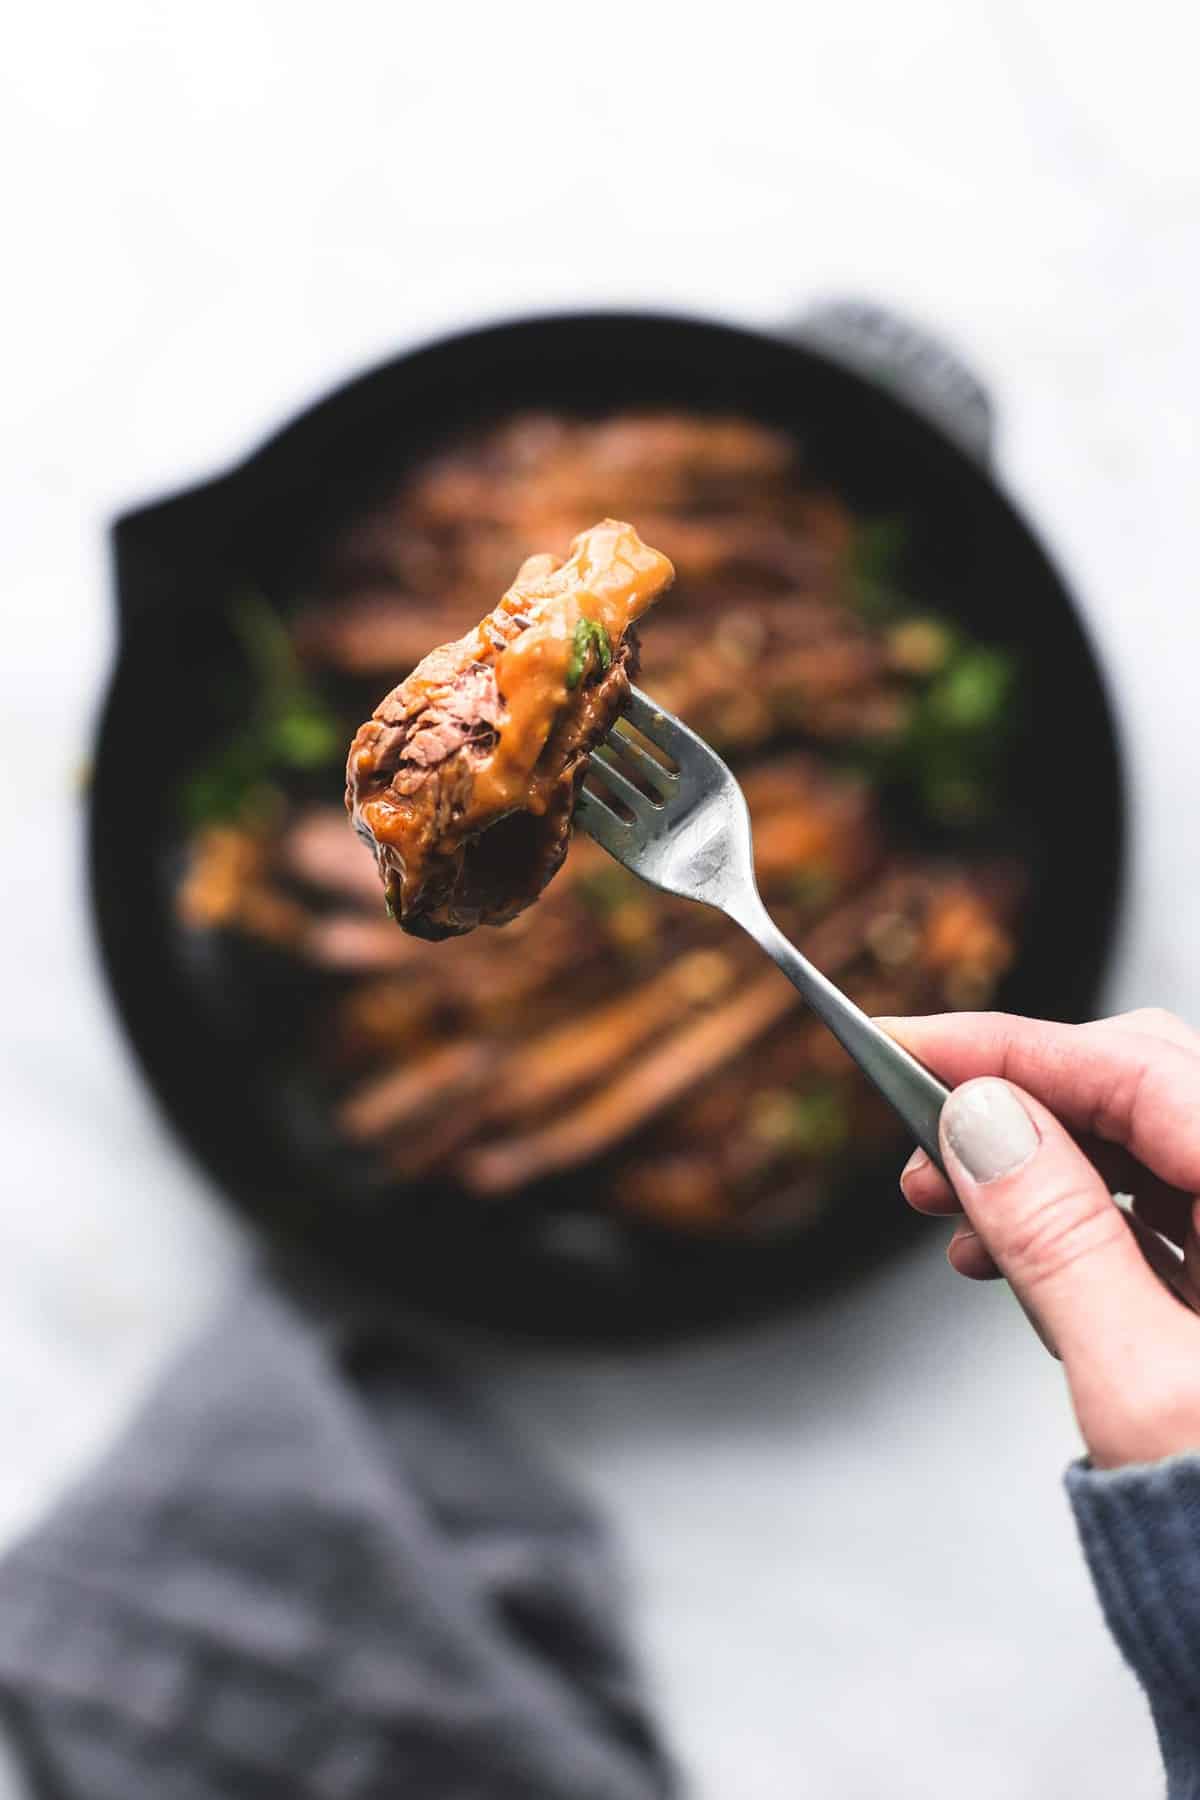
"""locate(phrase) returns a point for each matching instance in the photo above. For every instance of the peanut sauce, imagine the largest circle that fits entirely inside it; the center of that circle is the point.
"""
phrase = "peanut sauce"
(528, 641)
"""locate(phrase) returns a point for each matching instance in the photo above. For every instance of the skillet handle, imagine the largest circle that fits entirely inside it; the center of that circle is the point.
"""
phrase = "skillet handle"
(883, 347)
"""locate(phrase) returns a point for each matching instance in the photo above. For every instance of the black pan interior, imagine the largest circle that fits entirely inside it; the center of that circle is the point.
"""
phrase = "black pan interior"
(204, 1024)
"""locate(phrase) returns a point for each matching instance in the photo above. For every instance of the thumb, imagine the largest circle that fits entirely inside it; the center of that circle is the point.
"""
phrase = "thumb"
(1051, 1226)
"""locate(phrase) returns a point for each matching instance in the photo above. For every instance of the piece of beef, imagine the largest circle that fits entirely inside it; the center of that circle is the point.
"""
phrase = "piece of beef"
(464, 780)
(563, 466)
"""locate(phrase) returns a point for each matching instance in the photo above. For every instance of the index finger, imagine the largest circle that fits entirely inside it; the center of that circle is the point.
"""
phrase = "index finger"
(1121, 1085)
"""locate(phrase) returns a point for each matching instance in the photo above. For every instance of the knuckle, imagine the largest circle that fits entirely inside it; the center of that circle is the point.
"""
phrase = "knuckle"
(1113, 1113)
(1057, 1232)
(1153, 1018)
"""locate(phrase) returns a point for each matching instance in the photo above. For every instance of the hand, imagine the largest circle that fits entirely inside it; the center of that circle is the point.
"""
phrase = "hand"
(1037, 1199)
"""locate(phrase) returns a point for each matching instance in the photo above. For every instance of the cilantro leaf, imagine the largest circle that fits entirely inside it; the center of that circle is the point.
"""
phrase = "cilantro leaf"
(589, 635)
(286, 726)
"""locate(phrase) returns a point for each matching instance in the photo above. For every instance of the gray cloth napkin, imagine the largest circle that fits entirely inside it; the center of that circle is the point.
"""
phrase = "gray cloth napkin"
(312, 1569)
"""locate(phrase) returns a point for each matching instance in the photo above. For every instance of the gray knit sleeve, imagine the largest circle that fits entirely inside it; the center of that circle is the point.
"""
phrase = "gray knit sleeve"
(1140, 1528)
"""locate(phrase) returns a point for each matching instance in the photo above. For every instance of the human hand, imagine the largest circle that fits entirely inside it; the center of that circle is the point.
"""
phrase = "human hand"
(1045, 1121)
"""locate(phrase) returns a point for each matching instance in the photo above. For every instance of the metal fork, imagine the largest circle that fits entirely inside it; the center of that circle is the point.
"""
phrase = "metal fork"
(693, 839)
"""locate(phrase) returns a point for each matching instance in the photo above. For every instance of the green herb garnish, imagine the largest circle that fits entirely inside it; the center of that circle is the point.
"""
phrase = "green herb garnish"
(820, 1121)
(590, 635)
(815, 1121)
(305, 736)
(876, 551)
(956, 710)
(289, 729)
(973, 692)
(957, 731)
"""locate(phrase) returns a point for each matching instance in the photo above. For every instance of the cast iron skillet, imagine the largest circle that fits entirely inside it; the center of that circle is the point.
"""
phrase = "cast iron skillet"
(897, 428)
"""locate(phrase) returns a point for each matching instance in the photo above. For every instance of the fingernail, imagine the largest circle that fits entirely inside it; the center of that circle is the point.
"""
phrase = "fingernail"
(916, 1162)
(988, 1129)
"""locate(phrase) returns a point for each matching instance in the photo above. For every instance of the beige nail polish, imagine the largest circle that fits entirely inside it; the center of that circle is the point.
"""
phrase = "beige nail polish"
(988, 1129)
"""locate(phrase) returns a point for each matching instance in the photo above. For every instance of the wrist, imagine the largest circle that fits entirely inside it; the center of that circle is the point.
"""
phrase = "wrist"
(1151, 1413)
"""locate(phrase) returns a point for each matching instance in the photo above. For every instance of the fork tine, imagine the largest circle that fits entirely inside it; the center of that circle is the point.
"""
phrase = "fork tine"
(662, 728)
(627, 791)
(647, 766)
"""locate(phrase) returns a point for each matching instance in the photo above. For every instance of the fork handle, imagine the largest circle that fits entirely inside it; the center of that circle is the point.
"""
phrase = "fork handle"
(907, 1085)
(915, 1094)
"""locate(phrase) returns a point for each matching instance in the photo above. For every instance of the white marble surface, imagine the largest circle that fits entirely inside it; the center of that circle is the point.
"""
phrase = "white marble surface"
(854, 1570)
